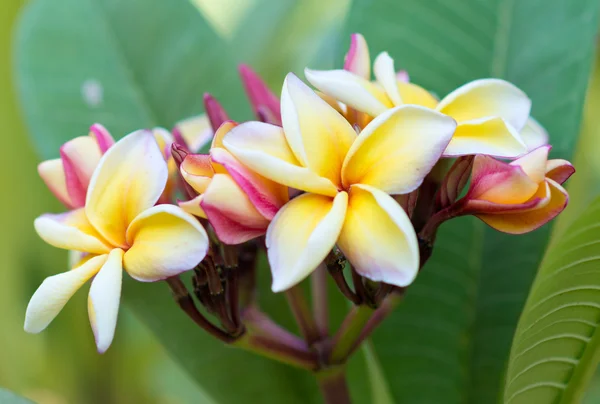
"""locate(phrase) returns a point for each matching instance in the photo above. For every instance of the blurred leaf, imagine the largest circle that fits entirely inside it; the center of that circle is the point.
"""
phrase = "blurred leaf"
(450, 339)
(556, 348)
(380, 391)
(7, 397)
(127, 64)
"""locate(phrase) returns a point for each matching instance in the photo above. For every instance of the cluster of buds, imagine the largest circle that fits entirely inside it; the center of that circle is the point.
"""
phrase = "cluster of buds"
(352, 179)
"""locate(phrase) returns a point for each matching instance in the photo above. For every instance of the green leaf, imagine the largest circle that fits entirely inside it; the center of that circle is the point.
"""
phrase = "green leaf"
(8, 397)
(556, 348)
(127, 64)
(450, 339)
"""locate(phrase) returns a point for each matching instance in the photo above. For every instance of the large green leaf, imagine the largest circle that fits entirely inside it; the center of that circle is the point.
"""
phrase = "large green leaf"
(449, 341)
(556, 348)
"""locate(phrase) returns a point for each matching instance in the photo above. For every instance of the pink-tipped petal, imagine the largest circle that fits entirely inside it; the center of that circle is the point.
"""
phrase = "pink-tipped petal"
(80, 157)
(53, 175)
(102, 136)
(104, 299)
(559, 170)
(267, 196)
(534, 163)
(165, 241)
(220, 133)
(215, 112)
(454, 181)
(230, 211)
(264, 103)
(54, 293)
(402, 76)
(499, 182)
(378, 238)
(197, 171)
(357, 59)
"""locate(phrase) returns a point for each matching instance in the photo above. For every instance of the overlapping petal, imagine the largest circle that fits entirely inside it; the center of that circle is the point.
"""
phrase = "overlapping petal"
(523, 221)
(165, 241)
(71, 231)
(491, 136)
(53, 175)
(559, 170)
(317, 134)
(385, 73)
(104, 298)
(533, 134)
(263, 148)
(80, 157)
(52, 295)
(267, 196)
(534, 163)
(193, 206)
(352, 90)
(197, 171)
(357, 59)
(231, 212)
(487, 98)
(194, 132)
(129, 179)
(301, 235)
(397, 149)
(378, 238)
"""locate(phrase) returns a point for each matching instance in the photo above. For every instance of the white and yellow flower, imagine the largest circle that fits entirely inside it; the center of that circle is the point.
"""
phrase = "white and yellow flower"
(347, 181)
(119, 228)
(492, 114)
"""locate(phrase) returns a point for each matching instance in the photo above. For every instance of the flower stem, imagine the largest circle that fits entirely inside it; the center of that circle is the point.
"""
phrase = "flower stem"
(349, 333)
(301, 311)
(268, 339)
(319, 301)
(334, 388)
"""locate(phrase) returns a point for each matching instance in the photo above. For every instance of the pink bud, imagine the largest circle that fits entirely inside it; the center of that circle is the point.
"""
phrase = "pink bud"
(215, 112)
(454, 182)
(264, 103)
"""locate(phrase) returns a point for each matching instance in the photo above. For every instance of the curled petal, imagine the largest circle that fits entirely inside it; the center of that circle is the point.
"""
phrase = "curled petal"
(526, 220)
(301, 235)
(357, 59)
(215, 112)
(383, 67)
(52, 295)
(266, 196)
(197, 171)
(102, 136)
(317, 134)
(499, 182)
(193, 206)
(378, 238)
(195, 132)
(534, 163)
(104, 298)
(264, 103)
(487, 98)
(533, 134)
(53, 175)
(130, 178)
(80, 158)
(454, 181)
(559, 170)
(414, 94)
(490, 136)
(165, 241)
(230, 211)
(352, 90)
(71, 231)
(263, 148)
(220, 133)
(398, 149)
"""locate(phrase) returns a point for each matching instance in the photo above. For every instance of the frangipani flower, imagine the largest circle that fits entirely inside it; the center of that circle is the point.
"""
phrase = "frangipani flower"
(69, 176)
(119, 228)
(521, 196)
(193, 133)
(490, 112)
(237, 202)
(347, 180)
(264, 103)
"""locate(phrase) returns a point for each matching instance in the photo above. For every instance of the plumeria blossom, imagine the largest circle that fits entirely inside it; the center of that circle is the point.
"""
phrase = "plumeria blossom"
(119, 228)
(520, 196)
(68, 177)
(264, 103)
(347, 180)
(491, 113)
(237, 202)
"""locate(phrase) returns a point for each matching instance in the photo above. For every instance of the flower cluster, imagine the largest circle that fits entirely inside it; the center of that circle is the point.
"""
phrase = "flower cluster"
(355, 176)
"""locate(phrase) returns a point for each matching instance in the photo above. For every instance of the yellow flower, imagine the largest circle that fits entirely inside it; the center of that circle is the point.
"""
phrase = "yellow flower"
(347, 180)
(492, 114)
(118, 228)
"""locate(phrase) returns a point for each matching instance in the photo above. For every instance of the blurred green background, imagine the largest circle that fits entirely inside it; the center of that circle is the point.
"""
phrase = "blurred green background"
(61, 365)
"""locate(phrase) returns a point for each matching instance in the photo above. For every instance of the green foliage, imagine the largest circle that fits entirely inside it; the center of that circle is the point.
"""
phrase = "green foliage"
(557, 345)
(6, 397)
(449, 341)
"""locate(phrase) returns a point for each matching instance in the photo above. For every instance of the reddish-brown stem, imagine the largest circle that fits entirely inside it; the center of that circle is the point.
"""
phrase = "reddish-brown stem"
(319, 300)
(186, 303)
(302, 313)
(334, 388)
